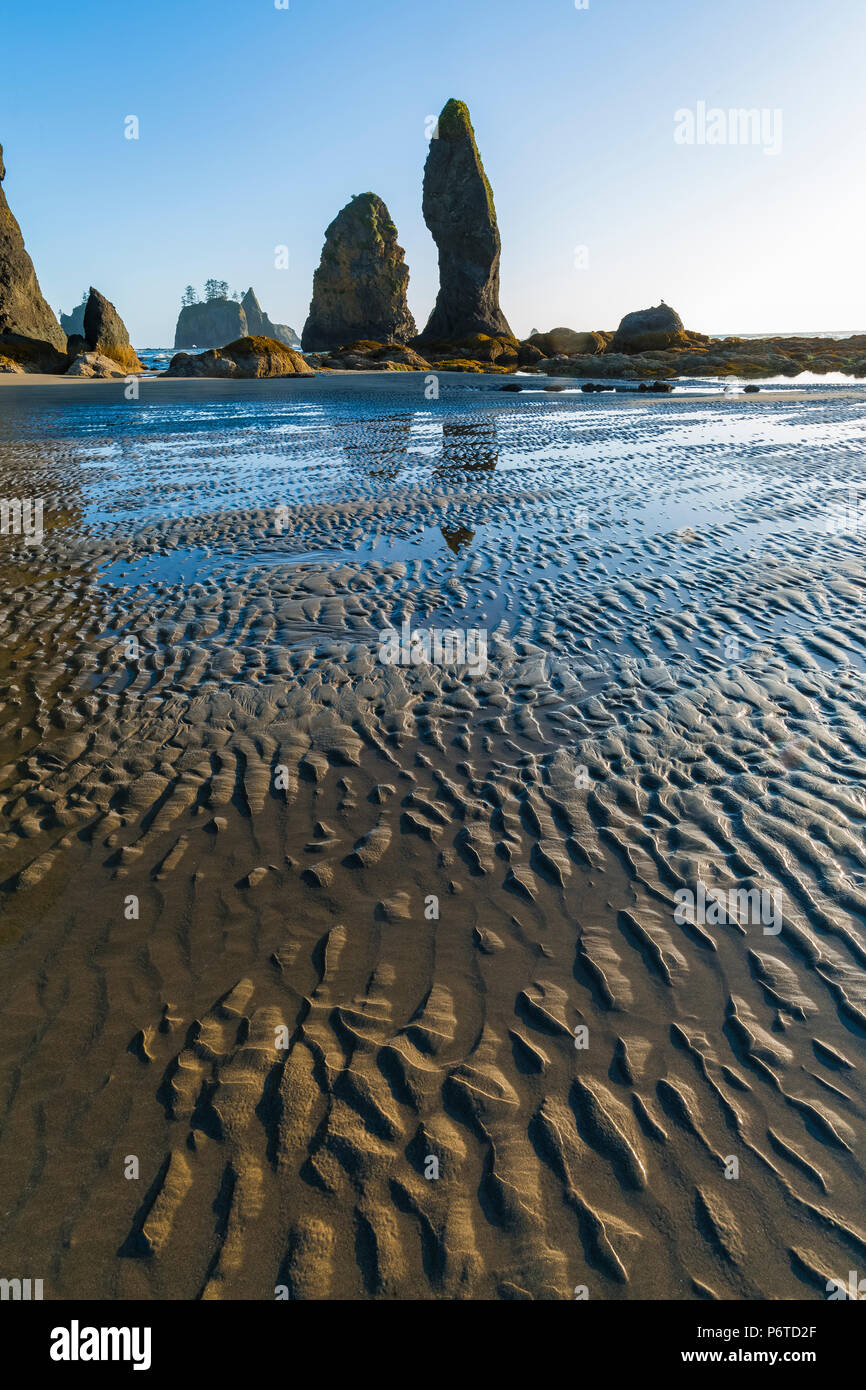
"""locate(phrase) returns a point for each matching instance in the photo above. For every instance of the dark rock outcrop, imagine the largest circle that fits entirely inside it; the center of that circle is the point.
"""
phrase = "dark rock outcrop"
(458, 209)
(23, 311)
(366, 356)
(359, 288)
(649, 329)
(105, 333)
(696, 355)
(32, 354)
(260, 326)
(247, 357)
(479, 352)
(211, 323)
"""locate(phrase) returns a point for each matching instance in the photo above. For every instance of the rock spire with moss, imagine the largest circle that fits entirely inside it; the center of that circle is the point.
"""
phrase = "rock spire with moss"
(458, 209)
(359, 288)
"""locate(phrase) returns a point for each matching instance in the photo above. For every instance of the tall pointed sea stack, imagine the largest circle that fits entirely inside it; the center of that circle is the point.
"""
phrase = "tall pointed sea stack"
(105, 332)
(22, 308)
(359, 289)
(458, 209)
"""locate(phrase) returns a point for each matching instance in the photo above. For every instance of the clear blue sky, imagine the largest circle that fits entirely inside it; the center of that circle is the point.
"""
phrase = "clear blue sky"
(258, 124)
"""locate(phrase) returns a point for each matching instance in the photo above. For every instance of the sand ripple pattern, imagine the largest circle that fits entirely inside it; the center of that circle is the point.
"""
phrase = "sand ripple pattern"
(406, 1010)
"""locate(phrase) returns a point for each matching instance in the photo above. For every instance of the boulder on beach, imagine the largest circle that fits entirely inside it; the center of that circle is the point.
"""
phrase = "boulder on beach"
(23, 311)
(73, 324)
(566, 342)
(649, 329)
(259, 325)
(245, 358)
(528, 354)
(359, 288)
(210, 323)
(479, 352)
(458, 209)
(105, 333)
(95, 364)
(368, 356)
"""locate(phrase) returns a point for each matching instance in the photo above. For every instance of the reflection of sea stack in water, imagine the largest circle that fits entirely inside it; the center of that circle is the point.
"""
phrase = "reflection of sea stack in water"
(456, 536)
(382, 453)
(359, 288)
(473, 446)
(458, 209)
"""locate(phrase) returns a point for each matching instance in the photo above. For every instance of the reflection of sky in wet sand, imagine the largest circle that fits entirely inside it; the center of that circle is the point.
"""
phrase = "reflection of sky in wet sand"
(494, 494)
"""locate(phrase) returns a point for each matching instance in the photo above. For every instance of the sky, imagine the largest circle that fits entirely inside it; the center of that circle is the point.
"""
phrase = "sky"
(256, 124)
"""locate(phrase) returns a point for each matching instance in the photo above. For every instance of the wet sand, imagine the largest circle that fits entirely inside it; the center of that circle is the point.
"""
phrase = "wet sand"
(285, 923)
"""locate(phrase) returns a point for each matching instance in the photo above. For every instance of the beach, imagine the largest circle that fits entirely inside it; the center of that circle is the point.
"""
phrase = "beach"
(335, 976)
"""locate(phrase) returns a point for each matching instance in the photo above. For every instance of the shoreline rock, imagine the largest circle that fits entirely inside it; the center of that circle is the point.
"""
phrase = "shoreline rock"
(646, 330)
(700, 356)
(95, 364)
(566, 342)
(247, 357)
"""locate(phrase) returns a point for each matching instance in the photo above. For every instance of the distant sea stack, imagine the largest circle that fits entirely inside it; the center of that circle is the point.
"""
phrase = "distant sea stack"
(458, 209)
(260, 326)
(74, 323)
(210, 324)
(105, 332)
(217, 319)
(23, 311)
(359, 288)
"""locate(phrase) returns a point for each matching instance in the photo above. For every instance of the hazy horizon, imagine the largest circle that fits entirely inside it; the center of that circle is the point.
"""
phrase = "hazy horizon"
(256, 128)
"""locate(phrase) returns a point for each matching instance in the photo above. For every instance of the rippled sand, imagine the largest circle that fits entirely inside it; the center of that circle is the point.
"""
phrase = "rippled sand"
(674, 694)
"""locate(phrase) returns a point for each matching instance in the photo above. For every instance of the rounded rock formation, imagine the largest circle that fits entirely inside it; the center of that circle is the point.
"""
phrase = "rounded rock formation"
(649, 329)
(359, 288)
(246, 358)
(567, 342)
